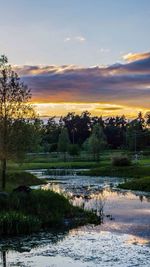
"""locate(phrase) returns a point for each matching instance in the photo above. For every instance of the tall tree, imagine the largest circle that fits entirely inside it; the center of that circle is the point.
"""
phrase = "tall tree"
(63, 142)
(97, 141)
(14, 113)
(51, 131)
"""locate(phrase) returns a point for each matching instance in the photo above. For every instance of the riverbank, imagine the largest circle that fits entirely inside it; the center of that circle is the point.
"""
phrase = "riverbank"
(137, 170)
(141, 184)
(133, 171)
(36, 210)
(139, 174)
(52, 165)
(15, 179)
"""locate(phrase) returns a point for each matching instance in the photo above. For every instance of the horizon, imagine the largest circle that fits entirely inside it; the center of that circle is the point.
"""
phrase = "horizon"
(76, 56)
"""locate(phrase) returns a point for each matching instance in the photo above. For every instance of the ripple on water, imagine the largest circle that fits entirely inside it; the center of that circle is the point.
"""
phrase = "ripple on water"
(86, 248)
(121, 241)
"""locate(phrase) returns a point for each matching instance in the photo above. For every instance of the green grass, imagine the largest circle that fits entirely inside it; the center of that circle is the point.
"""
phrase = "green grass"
(16, 179)
(50, 165)
(145, 161)
(141, 184)
(37, 210)
(134, 171)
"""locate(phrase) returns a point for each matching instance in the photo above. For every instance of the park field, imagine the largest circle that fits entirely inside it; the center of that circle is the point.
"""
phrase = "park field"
(139, 170)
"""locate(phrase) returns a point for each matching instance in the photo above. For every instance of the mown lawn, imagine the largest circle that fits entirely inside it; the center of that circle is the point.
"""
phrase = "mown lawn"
(51, 165)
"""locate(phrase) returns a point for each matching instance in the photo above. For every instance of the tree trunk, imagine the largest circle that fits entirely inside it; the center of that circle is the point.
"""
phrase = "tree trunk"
(3, 175)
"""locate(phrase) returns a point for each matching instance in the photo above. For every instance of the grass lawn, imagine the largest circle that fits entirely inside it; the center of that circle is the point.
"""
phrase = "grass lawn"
(51, 165)
(133, 171)
(139, 169)
(141, 184)
(15, 179)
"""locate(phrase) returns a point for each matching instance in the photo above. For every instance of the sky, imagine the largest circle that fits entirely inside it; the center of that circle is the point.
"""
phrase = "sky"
(80, 55)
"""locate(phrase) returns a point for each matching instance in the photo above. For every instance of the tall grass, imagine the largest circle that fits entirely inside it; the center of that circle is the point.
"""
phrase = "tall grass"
(26, 212)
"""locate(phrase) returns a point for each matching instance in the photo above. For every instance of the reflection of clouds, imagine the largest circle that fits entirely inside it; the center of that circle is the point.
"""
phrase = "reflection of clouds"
(122, 211)
(136, 240)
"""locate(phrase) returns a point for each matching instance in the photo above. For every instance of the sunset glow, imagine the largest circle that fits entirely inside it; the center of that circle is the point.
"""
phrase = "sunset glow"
(76, 56)
(96, 109)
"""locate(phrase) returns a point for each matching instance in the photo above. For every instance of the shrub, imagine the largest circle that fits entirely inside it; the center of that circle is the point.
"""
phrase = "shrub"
(22, 212)
(122, 160)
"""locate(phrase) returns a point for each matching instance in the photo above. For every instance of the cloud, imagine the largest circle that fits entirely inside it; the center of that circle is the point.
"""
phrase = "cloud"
(79, 39)
(104, 50)
(67, 39)
(120, 84)
(135, 56)
(109, 108)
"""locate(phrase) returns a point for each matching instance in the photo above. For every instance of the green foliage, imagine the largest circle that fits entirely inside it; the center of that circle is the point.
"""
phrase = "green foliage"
(63, 142)
(50, 135)
(73, 150)
(54, 165)
(15, 132)
(97, 141)
(122, 160)
(39, 209)
(15, 179)
(137, 135)
(134, 171)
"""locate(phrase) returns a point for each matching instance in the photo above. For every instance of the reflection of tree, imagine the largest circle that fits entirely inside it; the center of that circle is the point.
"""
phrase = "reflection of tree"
(141, 198)
(3, 256)
(33, 241)
(148, 198)
(96, 204)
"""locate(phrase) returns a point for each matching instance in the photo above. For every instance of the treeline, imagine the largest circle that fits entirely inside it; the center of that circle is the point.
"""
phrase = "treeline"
(74, 132)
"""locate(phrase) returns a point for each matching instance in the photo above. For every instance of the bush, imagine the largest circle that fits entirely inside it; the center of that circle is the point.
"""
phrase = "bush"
(122, 160)
(22, 212)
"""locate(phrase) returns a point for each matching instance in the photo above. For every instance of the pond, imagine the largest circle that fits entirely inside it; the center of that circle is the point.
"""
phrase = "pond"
(123, 238)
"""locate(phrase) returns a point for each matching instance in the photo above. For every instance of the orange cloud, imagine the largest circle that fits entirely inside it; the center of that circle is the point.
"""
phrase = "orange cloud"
(96, 109)
(126, 85)
(130, 57)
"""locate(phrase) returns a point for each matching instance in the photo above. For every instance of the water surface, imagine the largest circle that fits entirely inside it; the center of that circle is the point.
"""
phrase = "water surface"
(123, 239)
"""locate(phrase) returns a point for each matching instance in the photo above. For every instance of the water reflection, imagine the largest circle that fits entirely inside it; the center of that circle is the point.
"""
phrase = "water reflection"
(123, 239)
(122, 211)
(3, 257)
(25, 244)
(84, 247)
